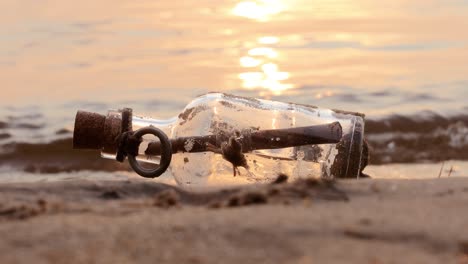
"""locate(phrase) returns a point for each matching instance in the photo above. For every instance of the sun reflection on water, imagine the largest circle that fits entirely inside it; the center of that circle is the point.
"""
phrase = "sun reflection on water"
(268, 40)
(261, 59)
(260, 10)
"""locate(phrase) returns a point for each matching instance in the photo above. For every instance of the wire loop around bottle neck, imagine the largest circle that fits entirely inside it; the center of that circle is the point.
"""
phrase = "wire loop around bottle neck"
(166, 153)
(129, 142)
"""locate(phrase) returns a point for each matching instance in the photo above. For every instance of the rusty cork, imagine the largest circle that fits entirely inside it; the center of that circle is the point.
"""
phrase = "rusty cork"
(96, 131)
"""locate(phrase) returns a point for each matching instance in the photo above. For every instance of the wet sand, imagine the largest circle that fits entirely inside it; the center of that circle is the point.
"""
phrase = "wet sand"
(367, 221)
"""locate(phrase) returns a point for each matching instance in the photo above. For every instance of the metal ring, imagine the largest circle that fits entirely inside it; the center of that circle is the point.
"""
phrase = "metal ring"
(166, 153)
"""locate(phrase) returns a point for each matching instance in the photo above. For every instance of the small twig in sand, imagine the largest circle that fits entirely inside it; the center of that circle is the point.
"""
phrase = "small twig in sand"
(450, 171)
(441, 168)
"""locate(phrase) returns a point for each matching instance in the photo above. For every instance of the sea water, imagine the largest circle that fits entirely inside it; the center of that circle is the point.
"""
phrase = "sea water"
(364, 56)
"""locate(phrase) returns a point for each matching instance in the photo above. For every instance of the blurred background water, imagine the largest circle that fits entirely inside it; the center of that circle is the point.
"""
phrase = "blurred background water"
(402, 63)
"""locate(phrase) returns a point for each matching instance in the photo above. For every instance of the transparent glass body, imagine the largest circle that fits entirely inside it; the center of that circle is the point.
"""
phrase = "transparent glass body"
(216, 113)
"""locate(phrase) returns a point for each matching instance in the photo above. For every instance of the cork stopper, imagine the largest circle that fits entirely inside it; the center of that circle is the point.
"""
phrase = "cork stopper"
(96, 131)
(89, 130)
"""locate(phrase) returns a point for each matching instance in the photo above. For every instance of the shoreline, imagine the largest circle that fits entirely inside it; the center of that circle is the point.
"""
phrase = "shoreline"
(365, 221)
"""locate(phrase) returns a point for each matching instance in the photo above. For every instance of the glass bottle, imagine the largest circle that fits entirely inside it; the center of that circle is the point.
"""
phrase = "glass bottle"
(222, 139)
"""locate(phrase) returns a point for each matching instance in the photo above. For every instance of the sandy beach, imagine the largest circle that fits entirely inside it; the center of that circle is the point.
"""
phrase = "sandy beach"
(366, 221)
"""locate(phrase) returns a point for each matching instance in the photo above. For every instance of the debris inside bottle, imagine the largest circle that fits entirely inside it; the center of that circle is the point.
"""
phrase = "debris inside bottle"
(232, 152)
(232, 147)
(254, 140)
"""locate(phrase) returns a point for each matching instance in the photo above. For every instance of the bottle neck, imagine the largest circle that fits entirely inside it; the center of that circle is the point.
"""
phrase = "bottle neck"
(166, 126)
(137, 122)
